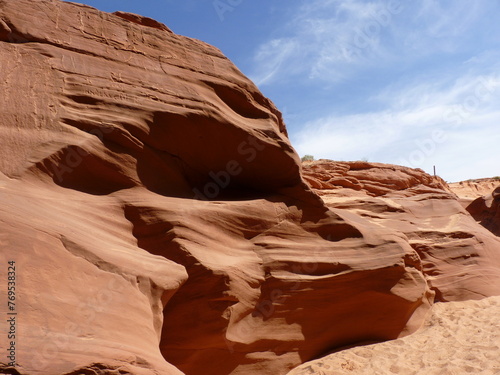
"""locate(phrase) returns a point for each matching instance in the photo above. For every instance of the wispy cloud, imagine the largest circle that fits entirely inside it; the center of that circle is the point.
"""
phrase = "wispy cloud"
(311, 38)
(333, 40)
(413, 83)
(325, 35)
(440, 17)
(272, 56)
(441, 123)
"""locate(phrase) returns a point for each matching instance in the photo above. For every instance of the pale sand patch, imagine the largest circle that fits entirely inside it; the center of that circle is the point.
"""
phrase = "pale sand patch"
(457, 338)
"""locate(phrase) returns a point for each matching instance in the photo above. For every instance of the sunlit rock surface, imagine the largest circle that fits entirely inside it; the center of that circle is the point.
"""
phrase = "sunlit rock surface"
(459, 258)
(160, 223)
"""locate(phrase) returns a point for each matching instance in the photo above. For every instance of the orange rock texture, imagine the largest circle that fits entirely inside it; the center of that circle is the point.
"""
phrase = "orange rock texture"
(160, 222)
(486, 210)
(472, 189)
(458, 257)
(481, 198)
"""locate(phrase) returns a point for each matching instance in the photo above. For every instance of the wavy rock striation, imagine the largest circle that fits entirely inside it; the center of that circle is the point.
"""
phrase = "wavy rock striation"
(159, 221)
(458, 257)
(481, 199)
(486, 210)
(472, 189)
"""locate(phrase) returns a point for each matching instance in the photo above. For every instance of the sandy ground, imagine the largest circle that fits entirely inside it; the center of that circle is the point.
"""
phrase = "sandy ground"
(457, 338)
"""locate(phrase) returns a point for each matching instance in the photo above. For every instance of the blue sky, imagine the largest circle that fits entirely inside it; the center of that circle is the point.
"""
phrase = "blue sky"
(415, 83)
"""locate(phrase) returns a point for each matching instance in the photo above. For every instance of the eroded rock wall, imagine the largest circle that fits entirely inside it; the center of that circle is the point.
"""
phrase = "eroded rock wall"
(459, 258)
(158, 218)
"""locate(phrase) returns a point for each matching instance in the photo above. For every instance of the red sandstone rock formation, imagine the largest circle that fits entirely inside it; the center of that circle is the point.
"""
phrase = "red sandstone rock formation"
(472, 189)
(486, 210)
(159, 222)
(481, 199)
(460, 260)
(364, 178)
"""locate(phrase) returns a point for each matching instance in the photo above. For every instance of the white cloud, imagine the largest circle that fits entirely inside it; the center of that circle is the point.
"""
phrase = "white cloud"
(324, 34)
(271, 57)
(433, 64)
(336, 39)
(464, 112)
(329, 35)
(448, 18)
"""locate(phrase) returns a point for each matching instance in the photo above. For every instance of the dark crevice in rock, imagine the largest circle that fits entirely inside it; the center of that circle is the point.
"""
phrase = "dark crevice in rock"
(141, 20)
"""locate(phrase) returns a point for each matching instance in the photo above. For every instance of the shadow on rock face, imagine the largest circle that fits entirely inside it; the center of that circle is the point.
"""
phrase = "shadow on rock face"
(486, 211)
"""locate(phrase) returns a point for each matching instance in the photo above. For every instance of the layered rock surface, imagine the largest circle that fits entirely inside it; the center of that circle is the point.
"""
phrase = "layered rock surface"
(486, 210)
(159, 221)
(481, 198)
(458, 257)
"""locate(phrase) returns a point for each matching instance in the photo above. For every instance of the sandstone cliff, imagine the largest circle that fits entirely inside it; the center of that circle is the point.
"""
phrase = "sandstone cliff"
(454, 252)
(486, 210)
(458, 257)
(481, 198)
(473, 189)
(159, 222)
